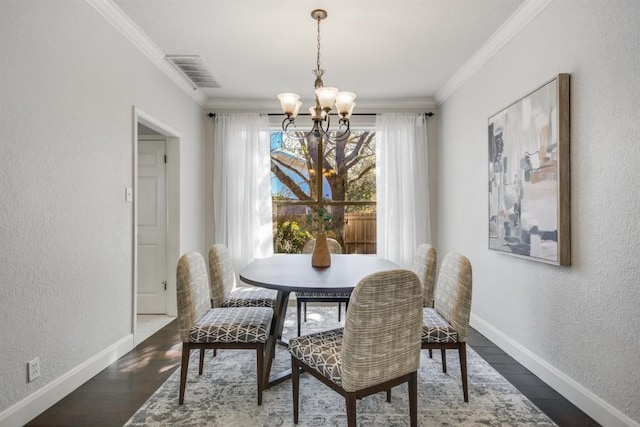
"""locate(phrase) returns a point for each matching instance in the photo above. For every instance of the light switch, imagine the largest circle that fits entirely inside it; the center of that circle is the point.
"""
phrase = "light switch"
(128, 194)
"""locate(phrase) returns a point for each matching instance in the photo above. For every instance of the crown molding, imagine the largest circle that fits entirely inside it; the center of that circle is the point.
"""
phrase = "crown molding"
(116, 17)
(507, 31)
(518, 20)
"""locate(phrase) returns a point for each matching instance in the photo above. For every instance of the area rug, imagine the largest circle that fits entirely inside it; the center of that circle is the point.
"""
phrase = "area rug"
(225, 395)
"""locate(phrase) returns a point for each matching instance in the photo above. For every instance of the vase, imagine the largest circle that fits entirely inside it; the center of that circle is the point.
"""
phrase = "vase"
(321, 257)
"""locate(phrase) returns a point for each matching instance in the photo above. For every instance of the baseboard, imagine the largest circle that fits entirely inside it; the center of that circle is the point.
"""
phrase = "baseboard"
(574, 392)
(36, 403)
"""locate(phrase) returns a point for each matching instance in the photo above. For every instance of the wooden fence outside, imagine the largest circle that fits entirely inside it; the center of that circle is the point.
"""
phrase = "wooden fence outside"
(360, 234)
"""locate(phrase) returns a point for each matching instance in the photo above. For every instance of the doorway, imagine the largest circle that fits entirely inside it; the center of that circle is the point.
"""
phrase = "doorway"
(155, 224)
(152, 223)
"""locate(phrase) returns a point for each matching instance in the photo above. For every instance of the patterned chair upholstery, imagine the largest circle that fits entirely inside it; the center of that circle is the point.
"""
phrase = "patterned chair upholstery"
(203, 327)
(222, 280)
(446, 325)
(378, 348)
(302, 298)
(424, 265)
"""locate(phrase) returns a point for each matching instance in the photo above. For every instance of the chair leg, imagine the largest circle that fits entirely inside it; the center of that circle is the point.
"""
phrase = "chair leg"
(462, 353)
(351, 409)
(201, 365)
(184, 365)
(339, 309)
(305, 311)
(444, 360)
(298, 313)
(413, 399)
(260, 371)
(295, 382)
(430, 354)
(389, 395)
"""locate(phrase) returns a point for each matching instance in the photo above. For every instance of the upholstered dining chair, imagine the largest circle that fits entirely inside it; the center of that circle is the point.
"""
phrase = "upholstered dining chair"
(224, 293)
(445, 326)
(378, 348)
(222, 280)
(302, 298)
(424, 265)
(202, 326)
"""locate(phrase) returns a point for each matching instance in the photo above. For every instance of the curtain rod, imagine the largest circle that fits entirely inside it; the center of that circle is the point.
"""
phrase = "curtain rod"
(429, 114)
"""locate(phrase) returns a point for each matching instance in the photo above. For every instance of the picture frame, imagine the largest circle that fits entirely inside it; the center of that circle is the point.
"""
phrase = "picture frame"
(529, 175)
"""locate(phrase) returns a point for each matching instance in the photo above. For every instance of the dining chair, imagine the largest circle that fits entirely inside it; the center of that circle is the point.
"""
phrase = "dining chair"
(302, 298)
(424, 265)
(445, 326)
(224, 293)
(222, 280)
(378, 348)
(202, 327)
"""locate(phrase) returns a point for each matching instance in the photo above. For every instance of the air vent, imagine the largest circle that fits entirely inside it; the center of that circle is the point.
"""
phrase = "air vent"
(195, 70)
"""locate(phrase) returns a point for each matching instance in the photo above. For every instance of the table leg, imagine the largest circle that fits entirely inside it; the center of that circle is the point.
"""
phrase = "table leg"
(279, 314)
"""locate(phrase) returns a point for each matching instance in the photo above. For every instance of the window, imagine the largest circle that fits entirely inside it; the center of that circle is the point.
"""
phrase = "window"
(336, 175)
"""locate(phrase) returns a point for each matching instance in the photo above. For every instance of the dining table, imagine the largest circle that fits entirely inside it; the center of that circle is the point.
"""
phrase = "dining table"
(288, 273)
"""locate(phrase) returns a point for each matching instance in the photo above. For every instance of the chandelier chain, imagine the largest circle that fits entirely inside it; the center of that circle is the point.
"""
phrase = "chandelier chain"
(318, 72)
(318, 59)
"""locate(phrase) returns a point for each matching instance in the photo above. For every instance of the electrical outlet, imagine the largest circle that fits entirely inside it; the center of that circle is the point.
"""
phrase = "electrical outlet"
(33, 369)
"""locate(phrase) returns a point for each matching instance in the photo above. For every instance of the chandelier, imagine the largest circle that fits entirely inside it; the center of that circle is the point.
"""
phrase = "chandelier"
(326, 98)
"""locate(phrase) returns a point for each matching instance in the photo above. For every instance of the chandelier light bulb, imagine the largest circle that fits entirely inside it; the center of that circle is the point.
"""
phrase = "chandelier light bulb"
(317, 113)
(296, 109)
(326, 97)
(344, 102)
(351, 107)
(288, 102)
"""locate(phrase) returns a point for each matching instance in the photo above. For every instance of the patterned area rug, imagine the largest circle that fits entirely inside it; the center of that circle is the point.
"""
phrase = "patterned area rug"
(225, 395)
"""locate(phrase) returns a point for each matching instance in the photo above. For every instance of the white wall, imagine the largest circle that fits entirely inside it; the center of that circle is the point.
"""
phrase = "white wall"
(574, 326)
(69, 82)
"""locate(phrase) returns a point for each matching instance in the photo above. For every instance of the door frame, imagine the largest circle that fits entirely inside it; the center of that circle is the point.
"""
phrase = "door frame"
(173, 209)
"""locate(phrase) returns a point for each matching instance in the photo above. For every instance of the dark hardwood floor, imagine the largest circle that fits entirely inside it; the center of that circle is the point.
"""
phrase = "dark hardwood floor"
(114, 395)
(559, 409)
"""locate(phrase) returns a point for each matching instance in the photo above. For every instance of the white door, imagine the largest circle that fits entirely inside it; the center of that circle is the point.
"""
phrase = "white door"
(152, 227)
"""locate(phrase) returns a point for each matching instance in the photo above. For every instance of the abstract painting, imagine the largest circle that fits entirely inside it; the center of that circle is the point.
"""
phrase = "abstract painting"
(529, 175)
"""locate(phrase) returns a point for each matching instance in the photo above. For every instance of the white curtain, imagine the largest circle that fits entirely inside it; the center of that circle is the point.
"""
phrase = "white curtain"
(242, 186)
(401, 185)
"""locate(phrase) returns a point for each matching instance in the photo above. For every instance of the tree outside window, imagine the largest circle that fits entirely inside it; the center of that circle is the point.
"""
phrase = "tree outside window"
(335, 174)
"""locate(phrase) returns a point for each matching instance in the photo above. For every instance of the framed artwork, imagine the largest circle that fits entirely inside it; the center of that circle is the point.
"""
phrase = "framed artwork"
(529, 175)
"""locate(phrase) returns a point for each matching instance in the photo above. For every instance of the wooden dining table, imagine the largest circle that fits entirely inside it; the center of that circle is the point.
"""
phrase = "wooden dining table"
(288, 273)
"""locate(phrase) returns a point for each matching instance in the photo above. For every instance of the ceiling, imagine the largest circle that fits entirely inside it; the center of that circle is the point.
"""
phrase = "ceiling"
(387, 52)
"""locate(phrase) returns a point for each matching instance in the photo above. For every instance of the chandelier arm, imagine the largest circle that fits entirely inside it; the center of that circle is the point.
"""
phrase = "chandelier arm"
(341, 135)
(285, 128)
(325, 129)
(345, 133)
